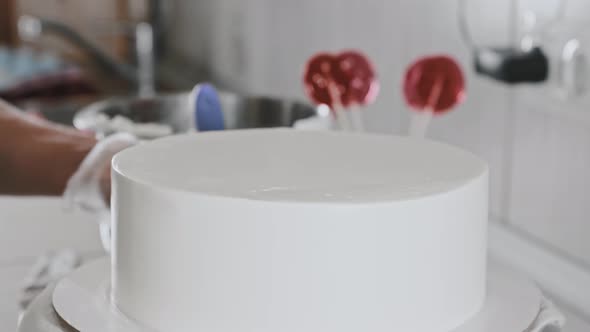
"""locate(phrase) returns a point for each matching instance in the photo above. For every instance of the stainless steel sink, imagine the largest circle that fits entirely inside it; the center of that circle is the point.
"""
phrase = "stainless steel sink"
(177, 111)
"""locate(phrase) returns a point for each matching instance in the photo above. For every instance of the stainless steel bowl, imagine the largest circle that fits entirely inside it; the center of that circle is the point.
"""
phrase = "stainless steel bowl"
(175, 111)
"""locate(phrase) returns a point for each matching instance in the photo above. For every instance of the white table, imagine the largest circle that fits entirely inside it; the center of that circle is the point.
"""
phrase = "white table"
(30, 227)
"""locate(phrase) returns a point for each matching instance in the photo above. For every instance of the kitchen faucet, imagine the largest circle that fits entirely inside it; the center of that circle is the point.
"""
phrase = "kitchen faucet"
(142, 77)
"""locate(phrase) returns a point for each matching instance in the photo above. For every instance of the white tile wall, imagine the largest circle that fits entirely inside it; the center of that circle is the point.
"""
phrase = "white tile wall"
(540, 160)
(550, 168)
(551, 180)
(551, 155)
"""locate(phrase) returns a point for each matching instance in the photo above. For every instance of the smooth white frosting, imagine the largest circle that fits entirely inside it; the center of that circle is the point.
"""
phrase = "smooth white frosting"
(284, 231)
(287, 165)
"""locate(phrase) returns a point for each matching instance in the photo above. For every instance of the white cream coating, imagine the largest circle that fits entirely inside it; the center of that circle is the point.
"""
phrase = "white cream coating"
(280, 230)
(287, 165)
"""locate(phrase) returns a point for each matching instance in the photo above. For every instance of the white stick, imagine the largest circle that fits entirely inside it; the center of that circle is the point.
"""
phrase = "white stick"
(356, 117)
(420, 121)
(341, 119)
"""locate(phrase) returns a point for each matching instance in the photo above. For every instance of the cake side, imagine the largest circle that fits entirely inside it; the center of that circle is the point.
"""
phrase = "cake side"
(186, 261)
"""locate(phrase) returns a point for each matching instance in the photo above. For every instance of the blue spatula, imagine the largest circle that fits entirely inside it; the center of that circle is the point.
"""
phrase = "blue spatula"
(207, 108)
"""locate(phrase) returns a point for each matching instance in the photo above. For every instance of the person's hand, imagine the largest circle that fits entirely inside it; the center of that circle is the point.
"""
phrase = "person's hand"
(38, 157)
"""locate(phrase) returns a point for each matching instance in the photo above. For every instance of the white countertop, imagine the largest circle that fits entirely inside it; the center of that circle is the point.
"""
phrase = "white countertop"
(30, 227)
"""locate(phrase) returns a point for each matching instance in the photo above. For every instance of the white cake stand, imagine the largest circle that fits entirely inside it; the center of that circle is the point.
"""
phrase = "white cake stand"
(513, 304)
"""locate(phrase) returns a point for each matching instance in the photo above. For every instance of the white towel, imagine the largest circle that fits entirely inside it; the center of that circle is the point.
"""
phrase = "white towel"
(83, 189)
(549, 319)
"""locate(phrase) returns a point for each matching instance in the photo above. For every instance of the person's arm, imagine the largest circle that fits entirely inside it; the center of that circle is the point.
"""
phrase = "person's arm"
(38, 157)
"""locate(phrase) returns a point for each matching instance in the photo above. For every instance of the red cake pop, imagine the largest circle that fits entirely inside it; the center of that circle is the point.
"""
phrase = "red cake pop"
(340, 81)
(355, 77)
(424, 75)
(318, 77)
(432, 85)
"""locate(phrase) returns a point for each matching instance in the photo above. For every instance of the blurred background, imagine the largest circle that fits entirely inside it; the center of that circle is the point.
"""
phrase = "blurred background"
(57, 56)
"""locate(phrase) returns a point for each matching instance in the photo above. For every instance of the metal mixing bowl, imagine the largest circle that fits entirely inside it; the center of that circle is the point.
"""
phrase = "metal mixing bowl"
(175, 111)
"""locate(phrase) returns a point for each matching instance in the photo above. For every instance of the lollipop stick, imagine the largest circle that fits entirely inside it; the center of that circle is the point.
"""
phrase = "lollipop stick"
(341, 119)
(419, 123)
(337, 109)
(356, 118)
(421, 120)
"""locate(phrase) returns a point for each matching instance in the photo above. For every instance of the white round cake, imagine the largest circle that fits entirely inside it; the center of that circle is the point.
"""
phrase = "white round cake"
(278, 230)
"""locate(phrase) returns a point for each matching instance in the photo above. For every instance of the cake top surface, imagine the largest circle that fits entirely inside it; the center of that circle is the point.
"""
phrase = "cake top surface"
(300, 166)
